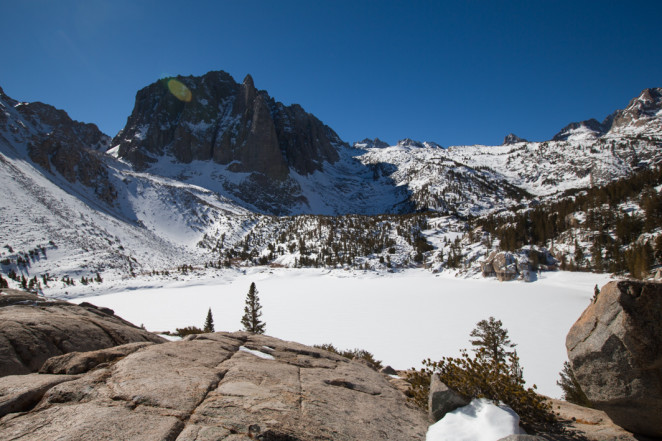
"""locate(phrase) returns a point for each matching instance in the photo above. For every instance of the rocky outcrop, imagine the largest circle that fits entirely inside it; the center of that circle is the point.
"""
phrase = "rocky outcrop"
(407, 142)
(615, 349)
(506, 265)
(642, 116)
(220, 386)
(589, 129)
(59, 144)
(500, 264)
(79, 362)
(83, 135)
(214, 118)
(583, 423)
(443, 399)
(21, 392)
(34, 329)
(368, 143)
(511, 138)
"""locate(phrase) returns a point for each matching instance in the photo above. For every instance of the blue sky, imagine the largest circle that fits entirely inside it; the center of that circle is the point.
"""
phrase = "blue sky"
(453, 72)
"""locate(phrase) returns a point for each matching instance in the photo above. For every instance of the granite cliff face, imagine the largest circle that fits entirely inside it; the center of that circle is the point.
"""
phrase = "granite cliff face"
(214, 118)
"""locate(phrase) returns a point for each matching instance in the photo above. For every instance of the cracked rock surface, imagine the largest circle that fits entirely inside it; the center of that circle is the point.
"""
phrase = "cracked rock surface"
(221, 386)
(34, 329)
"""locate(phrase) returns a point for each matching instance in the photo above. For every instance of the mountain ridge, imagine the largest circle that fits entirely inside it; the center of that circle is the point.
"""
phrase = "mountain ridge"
(104, 213)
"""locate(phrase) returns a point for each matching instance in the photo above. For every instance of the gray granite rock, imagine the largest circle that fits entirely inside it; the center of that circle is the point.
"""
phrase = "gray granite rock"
(615, 349)
(443, 399)
(222, 386)
(81, 362)
(34, 329)
(21, 392)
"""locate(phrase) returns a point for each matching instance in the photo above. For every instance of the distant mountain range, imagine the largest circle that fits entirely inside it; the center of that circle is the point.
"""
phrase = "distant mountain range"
(205, 162)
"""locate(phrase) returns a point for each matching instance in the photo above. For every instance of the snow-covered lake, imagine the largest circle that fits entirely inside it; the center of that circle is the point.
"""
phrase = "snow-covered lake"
(401, 318)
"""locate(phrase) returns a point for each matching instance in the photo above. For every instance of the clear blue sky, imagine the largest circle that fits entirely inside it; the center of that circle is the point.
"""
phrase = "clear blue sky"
(453, 72)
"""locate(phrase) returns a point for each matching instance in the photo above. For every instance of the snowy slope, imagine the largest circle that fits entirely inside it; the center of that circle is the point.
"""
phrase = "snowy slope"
(101, 214)
(149, 223)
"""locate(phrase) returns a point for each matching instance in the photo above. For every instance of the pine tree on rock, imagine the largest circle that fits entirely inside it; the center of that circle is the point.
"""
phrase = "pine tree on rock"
(209, 322)
(251, 319)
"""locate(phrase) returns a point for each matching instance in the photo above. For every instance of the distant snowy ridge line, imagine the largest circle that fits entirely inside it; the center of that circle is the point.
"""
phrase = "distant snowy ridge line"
(105, 216)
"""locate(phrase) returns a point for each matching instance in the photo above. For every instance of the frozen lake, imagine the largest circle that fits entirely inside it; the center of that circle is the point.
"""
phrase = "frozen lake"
(401, 318)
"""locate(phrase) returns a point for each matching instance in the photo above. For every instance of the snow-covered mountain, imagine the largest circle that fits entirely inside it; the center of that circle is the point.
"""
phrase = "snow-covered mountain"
(69, 209)
(205, 165)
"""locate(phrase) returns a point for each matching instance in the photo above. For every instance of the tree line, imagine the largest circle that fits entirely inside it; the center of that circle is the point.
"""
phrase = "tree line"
(622, 239)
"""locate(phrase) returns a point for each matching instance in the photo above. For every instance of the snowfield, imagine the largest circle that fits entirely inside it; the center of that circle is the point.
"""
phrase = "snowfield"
(402, 318)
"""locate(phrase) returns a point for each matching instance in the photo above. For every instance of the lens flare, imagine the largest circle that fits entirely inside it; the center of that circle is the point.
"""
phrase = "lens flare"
(179, 90)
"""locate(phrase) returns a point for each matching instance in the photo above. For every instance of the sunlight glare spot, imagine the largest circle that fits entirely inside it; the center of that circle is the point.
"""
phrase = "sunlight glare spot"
(179, 90)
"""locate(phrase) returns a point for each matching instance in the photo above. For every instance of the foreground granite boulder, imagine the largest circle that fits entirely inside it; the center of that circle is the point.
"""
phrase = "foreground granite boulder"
(443, 399)
(615, 349)
(34, 329)
(218, 386)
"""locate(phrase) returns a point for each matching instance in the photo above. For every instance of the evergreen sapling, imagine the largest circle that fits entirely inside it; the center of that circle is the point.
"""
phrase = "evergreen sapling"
(209, 322)
(252, 313)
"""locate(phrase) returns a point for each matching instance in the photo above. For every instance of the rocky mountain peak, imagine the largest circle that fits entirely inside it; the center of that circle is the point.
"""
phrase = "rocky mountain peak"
(642, 115)
(368, 143)
(511, 138)
(410, 143)
(589, 129)
(4, 97)
(228, 123)
(248, 81)
(649, 101)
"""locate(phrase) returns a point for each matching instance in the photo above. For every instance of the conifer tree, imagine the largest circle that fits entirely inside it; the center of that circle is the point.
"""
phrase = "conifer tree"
(572, 391)
(209, 322)
(492, 341)
(251, 319)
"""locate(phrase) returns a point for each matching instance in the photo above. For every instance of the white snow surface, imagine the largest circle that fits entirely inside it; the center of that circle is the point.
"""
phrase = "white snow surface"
(481, 420)
(259, 354)
(402, 318)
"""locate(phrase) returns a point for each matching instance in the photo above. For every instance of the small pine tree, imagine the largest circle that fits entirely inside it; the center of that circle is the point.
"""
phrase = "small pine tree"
(482, 377)
(209, 322)
(492, 341)
(572, 391)
(251, 319)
